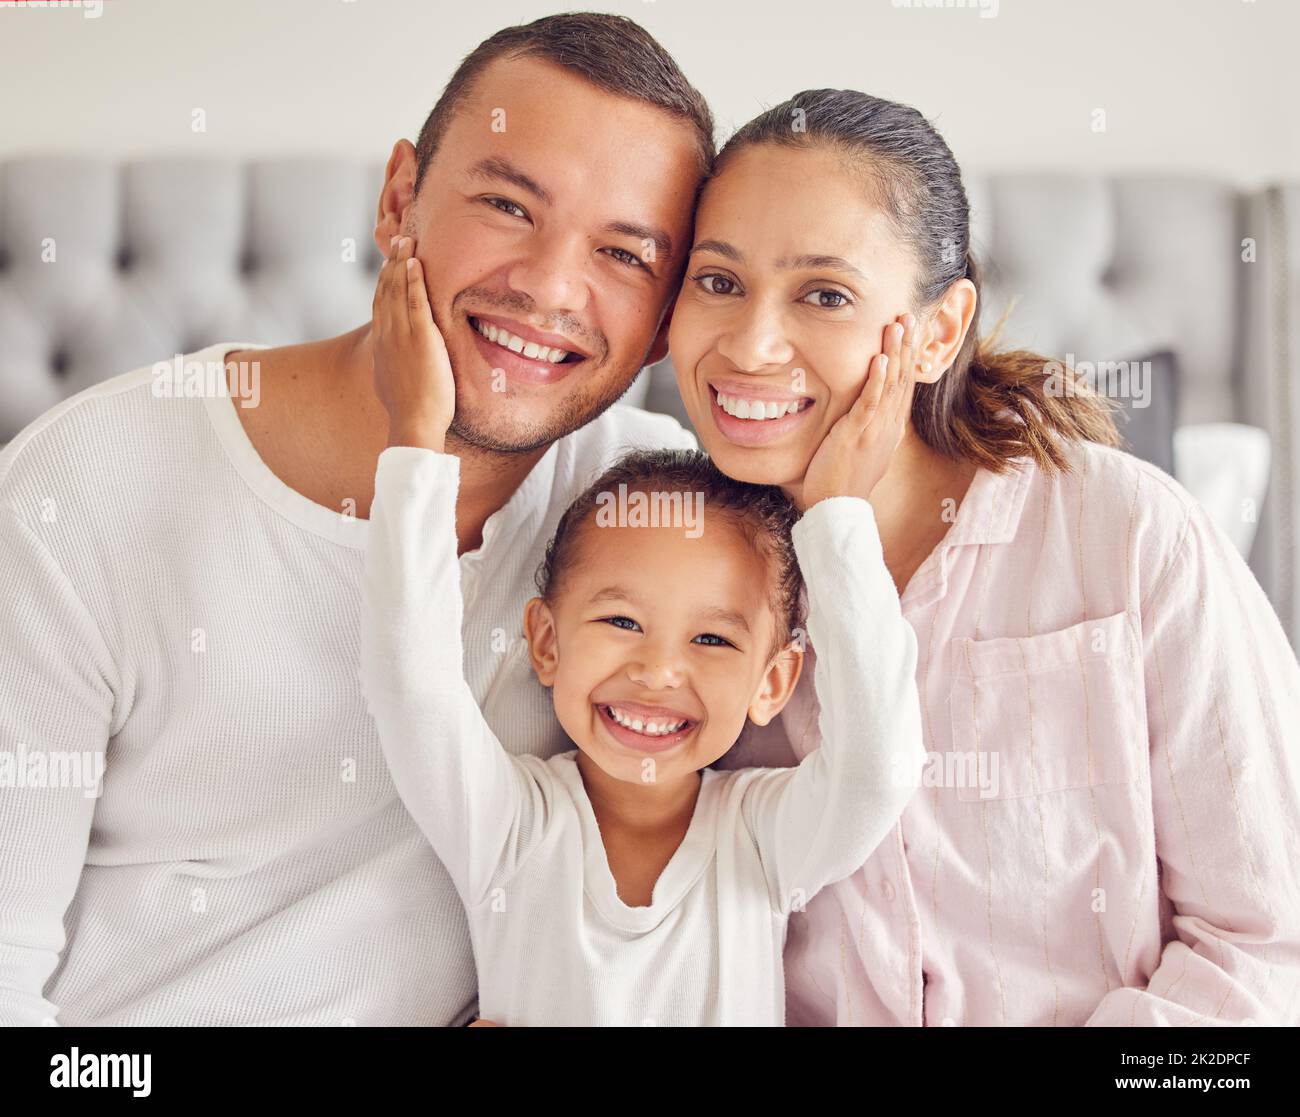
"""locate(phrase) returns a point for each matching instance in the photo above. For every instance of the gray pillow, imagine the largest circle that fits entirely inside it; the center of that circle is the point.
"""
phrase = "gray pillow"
(1149, 430)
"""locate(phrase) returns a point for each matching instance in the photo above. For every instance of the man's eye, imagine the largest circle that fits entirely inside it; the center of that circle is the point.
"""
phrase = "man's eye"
(625, 623)
(707, 278)
(826, 292)
(626, 257)
(505, 205)
(714, 640)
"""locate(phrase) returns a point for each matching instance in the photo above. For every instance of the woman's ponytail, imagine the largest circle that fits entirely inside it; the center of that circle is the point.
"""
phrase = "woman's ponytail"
(994, 405)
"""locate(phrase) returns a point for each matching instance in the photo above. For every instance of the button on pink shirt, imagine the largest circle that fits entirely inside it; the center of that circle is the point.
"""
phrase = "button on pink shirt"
(1109, 829)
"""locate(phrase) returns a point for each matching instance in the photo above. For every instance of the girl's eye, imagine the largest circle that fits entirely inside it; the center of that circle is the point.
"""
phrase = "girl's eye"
(625, 623)
(505, 205)
(707, 279)
(824, 293)
(714, 640)
(623, 256)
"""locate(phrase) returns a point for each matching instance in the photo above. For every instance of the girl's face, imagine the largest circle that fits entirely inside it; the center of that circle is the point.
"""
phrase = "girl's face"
(658, 646)
(794, 276)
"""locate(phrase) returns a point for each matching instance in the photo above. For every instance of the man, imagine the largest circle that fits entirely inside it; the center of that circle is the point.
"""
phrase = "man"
(183, 574)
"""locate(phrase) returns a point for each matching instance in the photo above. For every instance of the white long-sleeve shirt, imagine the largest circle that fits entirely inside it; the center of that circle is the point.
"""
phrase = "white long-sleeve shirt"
(554, 943)
(174, 611)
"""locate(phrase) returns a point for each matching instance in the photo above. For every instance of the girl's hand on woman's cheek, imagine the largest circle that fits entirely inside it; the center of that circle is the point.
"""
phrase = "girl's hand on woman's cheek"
(413, 377)
(855, 453)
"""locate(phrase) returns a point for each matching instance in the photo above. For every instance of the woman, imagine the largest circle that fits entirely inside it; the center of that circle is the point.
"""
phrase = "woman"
(1107, 832)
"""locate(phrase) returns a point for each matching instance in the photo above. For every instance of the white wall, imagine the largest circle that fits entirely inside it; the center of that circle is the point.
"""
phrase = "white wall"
(1204, 86)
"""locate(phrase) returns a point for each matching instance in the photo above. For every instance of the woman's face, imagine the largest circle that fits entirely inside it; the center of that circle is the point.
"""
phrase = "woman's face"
(794, 276)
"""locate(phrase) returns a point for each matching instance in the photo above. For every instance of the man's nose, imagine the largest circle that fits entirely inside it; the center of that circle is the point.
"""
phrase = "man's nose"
(553, 272)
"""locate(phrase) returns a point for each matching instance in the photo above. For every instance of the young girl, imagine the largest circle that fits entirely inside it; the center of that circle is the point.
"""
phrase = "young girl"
(627, 882)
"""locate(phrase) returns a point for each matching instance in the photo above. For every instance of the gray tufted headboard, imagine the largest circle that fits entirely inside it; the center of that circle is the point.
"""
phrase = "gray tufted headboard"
(105, 267)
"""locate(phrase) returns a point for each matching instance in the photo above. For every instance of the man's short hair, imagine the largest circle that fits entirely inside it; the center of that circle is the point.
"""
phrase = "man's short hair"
(611, 52)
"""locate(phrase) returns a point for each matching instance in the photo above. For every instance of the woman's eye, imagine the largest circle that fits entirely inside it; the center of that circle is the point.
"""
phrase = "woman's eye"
(625, 257)
(825, 294)
(707, 281)
(505, 205)
(714, 640)
(626, 623)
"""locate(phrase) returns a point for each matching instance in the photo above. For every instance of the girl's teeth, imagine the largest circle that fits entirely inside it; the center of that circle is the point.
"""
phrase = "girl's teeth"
(649, 728)
(756, 409)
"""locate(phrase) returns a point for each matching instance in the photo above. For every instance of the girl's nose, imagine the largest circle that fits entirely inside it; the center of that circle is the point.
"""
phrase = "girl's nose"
(656, 673)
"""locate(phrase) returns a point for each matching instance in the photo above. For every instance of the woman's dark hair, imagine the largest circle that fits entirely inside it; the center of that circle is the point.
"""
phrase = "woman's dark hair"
(990, 406)
(611, 52)
(762, 513)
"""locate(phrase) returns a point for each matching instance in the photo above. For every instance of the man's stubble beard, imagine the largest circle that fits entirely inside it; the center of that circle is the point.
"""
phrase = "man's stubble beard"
(472, 430)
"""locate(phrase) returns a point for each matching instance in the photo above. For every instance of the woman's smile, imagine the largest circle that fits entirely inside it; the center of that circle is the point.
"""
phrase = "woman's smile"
(752, 416)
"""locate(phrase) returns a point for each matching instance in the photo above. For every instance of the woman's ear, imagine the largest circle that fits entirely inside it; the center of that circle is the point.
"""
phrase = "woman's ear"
(946, 330)
(777, 685)
(543, 643)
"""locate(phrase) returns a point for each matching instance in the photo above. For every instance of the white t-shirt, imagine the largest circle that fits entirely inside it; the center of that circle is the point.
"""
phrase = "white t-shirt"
(554, 943)
(175, 612)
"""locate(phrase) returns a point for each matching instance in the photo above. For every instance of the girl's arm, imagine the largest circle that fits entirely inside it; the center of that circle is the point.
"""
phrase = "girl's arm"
(475, 803)
(820, 822)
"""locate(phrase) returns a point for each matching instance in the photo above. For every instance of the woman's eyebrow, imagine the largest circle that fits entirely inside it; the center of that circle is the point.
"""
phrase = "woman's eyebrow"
(808, 260)
(720, 248)
(835, 263)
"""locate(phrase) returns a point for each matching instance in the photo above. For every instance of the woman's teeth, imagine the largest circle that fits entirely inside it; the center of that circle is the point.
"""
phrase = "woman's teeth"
(757, 408)
(515, 344)
(651, 728)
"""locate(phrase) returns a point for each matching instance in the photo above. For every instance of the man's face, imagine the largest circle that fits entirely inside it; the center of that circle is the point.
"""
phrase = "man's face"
(553, 215)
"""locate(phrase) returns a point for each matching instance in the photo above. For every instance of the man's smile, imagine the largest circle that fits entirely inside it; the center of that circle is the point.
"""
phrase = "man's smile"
(525, 354)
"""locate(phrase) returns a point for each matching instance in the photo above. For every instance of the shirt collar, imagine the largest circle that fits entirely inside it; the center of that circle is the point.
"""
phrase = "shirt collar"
(990, 510)
(989, 513)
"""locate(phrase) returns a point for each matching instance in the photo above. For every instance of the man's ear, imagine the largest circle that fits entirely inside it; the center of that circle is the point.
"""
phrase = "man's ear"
(397, 196)
(778, 684)
(543, 642)
(659, 347)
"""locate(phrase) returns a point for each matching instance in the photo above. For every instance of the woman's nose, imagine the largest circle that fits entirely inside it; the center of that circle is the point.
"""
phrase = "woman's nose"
(757, 339)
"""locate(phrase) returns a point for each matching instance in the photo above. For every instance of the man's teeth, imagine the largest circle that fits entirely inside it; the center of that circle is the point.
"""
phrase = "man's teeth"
(529, 349)
(757, 408)
(651, 728)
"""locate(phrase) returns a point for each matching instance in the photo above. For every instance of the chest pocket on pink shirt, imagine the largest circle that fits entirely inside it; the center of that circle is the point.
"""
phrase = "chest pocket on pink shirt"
(1036, 714)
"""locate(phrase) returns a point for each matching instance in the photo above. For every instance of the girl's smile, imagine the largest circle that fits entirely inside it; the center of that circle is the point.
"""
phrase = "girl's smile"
(637, 728)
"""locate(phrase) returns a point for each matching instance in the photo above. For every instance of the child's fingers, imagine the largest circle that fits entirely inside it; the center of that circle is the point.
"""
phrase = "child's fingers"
(906, 373)
(869, 398)
(386, 292)
(417, 296)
